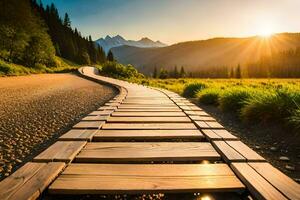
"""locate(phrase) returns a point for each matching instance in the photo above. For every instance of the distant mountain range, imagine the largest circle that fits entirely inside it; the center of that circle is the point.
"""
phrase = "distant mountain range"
(109, 42)
(215, 52)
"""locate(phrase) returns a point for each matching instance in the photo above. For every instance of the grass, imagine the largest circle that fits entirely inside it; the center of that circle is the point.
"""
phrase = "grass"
(264, 101)
(11, 69)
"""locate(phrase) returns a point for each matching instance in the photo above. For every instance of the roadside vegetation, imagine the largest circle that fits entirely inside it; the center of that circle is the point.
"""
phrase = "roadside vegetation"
(263, 101)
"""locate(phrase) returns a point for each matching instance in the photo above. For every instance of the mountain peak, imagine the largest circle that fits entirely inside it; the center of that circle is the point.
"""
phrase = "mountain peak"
(109, 42)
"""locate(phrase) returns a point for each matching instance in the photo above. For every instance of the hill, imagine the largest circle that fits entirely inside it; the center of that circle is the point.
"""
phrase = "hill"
(109, 42)
(216, 52)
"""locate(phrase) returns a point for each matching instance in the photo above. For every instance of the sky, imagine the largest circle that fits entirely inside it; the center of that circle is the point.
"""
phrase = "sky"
(173, 21)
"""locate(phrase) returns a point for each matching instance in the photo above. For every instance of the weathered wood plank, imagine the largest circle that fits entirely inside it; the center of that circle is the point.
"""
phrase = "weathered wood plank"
(148, 114)
(283, 183)
(61, 151)
(138, 178)
(148, 110)
(202, 118)
(78, 135)
(148, 119)
(89, 124)
(101, 113)
(200, 113)
(29, 181)
(218, 134)
(150, 126)
(245, 151)
(147, 151)
(147, 134)
(259, 187)
(227, 152)
(95, 118)
(208, 125)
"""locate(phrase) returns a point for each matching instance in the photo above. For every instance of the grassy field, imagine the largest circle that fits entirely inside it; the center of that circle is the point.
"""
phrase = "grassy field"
(11, 69)
(263, 101)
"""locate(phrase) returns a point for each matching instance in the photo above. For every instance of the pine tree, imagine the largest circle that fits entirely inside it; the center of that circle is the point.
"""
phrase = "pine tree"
(238, 72)
(67, 21)
(176, 73)
(182, 72)
(110, 56)
(154, 72)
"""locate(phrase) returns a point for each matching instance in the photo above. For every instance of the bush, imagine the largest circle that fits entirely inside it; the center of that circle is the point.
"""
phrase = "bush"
(271, 106)
(117, 70)
(191, 90)
(294, 120)
(209, 96)
(234, 99)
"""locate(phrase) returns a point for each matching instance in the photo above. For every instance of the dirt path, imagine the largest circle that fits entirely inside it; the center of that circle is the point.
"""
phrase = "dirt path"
(36, 109)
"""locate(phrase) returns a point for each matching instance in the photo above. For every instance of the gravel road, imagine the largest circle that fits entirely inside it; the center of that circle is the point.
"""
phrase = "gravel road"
(35, 110)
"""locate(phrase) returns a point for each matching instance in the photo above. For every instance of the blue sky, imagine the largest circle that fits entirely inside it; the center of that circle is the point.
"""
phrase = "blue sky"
(173, 21)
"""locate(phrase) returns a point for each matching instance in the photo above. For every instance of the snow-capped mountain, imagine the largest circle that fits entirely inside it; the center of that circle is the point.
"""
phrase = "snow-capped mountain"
(110, 42)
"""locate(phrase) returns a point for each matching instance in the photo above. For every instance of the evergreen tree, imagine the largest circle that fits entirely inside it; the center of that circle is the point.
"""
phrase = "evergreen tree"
(154, 72)
(182, 72)
(110, 56)
(163, 74)
(238, 72)
(67, 21)
(176, 73)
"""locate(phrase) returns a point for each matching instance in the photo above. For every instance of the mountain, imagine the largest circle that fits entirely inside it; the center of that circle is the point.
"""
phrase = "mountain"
(202, 54)
(109, 42)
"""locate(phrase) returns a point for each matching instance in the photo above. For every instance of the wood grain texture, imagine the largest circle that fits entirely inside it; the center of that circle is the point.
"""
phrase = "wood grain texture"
(29, 181)
(147, 134)
(145, 178)
(150, 126)
(245, 151)
(218, 134)
(61, 151)
(78, 135)
(148, 114)
(89, 124)
(227, 152)
(148, 119)
(147, 151)
(283, 183)
(259, 187)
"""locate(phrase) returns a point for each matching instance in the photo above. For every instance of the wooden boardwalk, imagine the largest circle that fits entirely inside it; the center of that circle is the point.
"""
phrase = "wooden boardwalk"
(147, 141)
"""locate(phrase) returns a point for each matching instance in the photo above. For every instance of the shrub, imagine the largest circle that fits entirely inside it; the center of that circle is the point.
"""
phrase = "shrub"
(234, 99)
(294, 120)
(117, 70)
(271, 106)
(209, 96)
(192, 89)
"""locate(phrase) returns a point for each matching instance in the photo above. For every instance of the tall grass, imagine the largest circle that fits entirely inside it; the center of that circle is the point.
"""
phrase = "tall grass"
(252, 100)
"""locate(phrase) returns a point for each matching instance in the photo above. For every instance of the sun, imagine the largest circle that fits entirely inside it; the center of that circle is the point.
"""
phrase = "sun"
(266, 32)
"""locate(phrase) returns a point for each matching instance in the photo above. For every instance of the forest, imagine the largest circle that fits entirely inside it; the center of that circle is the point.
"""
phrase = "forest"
(35, 36)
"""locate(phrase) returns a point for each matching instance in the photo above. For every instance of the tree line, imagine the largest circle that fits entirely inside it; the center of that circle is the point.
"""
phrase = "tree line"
(32, 35)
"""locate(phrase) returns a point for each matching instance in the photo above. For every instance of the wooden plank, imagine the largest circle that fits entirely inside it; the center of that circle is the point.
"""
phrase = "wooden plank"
(145, 178)
(89, 124)
(148, 114)
(200, 113)
(61, 151)
(283, 183)
(259, 187)
(101, 113)
(218, 134)
(78, 135)
(202, 118)
(108, 108)
(147, 151)
(95, 118)
(29, 181)
(148, 110)
(208, 125)
(190, 108)
(150, 126)
(227, 152)
(147, 134)
(148, 107)
(245, 151)
(148, 119)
